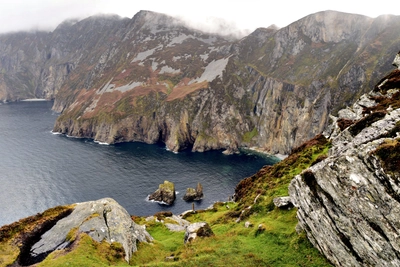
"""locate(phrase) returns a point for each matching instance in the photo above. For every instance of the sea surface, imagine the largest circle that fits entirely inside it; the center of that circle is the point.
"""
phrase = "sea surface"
(39, 169)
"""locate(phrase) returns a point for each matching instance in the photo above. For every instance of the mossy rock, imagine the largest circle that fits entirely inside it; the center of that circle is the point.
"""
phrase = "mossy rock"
(165, 193)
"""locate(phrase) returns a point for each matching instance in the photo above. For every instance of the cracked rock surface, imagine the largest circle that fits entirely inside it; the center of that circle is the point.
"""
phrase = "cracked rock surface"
(103, 219)
(348, 205)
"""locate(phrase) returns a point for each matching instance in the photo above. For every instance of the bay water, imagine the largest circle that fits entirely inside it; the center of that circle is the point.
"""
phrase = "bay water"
(39, 169)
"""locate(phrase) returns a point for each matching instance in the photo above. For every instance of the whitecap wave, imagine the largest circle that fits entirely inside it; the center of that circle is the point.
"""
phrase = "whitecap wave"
(101, 143)
(154, 201)
(34, 99)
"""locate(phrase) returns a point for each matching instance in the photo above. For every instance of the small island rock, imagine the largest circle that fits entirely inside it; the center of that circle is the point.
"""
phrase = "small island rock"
(165, 193)
(194, 194)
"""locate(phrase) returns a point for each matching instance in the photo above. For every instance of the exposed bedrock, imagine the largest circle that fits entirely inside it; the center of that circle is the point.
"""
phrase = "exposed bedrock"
(349, 203)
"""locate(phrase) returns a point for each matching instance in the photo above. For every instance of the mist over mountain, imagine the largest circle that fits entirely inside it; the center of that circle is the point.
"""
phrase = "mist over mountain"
(152, 78)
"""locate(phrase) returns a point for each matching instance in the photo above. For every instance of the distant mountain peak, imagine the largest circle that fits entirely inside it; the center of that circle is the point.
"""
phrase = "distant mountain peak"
(273, 27)
(155, 21)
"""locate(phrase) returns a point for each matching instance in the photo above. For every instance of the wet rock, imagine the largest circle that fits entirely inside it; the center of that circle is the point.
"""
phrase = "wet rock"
(194, 194)
(165, 193)
(103, 219)
(199, 229)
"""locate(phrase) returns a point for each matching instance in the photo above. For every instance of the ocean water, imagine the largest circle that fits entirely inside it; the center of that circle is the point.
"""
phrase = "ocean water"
(39, 169)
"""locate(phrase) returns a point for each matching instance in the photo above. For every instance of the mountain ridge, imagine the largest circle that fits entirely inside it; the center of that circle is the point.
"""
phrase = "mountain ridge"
(272, 89)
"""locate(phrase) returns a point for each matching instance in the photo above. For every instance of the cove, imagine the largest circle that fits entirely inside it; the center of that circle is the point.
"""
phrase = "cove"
(39, 170)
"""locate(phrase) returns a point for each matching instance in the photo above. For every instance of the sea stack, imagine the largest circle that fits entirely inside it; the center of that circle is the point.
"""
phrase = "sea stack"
(165, 193)
(194, 194)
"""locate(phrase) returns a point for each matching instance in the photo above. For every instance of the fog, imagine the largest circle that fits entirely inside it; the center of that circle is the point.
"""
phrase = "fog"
(236, 17)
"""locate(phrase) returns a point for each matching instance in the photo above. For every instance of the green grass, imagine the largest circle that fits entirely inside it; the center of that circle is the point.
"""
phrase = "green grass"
(13, 236)
(247, 137)
(233, 244)
(8, 253)
(86, 252)
(277, 244)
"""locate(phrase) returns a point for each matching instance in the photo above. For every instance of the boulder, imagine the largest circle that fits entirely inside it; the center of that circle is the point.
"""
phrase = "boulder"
(283, 202)
(194, 194)
(201, 229)
(248, 224)
(165, 193)
(179, 225)
(103, 219)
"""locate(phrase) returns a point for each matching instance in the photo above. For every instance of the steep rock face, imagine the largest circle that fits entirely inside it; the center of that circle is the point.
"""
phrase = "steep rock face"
(36, 65)
(150, 78)
(103, 219)
(349, 204)
(273, 89)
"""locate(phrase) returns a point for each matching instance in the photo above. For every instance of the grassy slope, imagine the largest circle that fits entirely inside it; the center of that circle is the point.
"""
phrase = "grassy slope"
(277, 244)
(233, 244)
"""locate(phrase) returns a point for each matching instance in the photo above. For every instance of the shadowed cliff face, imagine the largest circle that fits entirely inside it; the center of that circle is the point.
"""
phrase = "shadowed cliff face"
(152, 79)
(349, 203)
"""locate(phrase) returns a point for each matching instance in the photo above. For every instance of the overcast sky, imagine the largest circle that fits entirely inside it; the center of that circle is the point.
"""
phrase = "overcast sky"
(241, 14)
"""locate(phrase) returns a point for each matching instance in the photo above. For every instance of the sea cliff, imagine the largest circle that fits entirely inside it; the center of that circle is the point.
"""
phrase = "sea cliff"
(151, 78)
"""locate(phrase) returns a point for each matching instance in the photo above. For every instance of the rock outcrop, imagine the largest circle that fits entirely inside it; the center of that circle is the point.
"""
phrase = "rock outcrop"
(396, 61)
(165, 193)
(349, 203)
(194, 194)
(199, 229)
(283, 202)
(103, 219)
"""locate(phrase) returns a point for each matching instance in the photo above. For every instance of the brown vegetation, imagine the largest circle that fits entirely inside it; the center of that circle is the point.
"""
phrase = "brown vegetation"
(344, 123)
(390, 81)
(389, 154)
(357, 127)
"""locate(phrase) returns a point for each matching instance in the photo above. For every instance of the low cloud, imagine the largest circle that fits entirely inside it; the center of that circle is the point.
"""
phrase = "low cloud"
(216, 25)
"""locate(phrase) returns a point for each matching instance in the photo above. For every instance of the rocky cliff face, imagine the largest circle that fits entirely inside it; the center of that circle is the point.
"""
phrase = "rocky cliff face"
(150, 78)
(349, 204)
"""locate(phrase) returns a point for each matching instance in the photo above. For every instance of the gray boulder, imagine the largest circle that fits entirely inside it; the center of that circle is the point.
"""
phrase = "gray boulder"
(165, 193)
(283, 202)
(179, 225)
(199, 229)
(103, 219)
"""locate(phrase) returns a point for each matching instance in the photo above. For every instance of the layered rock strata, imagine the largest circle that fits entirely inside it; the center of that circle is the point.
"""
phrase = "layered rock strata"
(349, 203)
